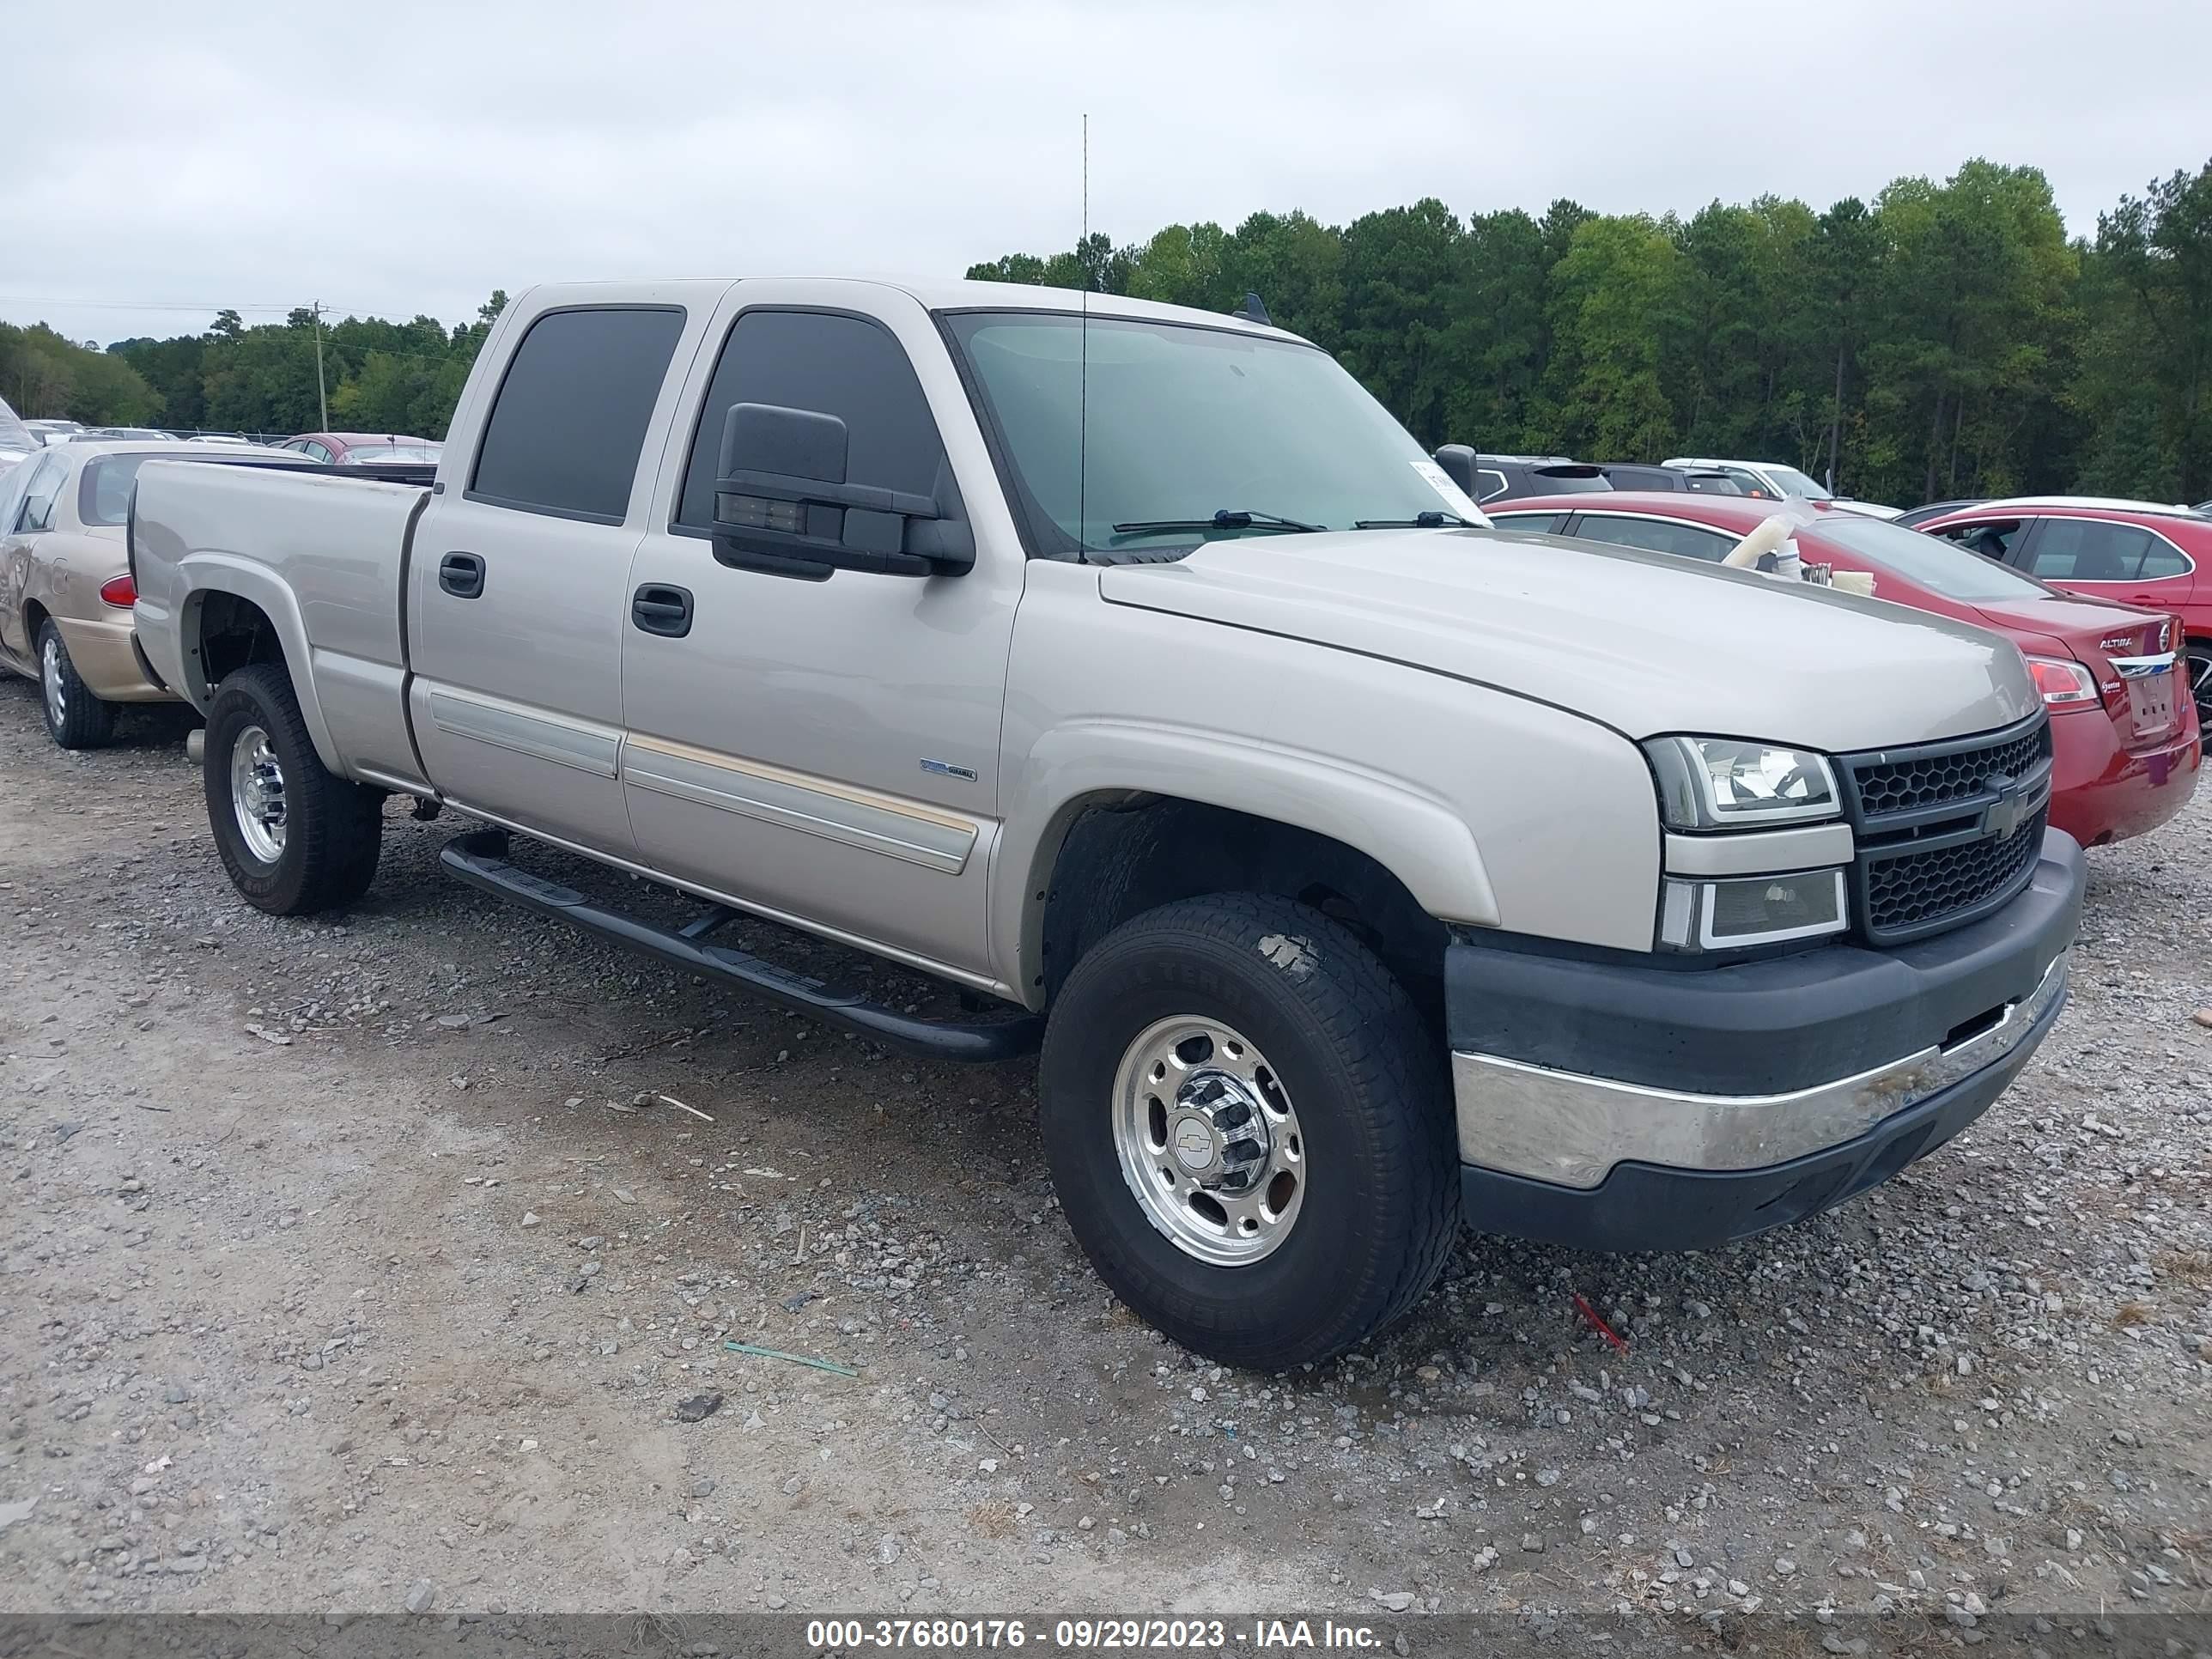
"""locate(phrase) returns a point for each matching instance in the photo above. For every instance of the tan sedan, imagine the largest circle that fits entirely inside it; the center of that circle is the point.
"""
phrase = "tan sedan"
(65, 589)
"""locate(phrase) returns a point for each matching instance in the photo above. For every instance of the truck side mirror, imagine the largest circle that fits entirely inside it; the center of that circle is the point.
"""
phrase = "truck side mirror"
(1458, 463)
(780, 468)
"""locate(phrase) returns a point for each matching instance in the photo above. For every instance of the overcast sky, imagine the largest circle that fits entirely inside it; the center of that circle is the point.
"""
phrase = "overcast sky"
(390, 158)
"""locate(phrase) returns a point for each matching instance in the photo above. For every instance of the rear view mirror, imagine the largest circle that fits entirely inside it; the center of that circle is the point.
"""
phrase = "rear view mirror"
(780, 495)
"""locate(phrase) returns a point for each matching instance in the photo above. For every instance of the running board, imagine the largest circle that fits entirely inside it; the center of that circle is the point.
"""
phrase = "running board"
(477, 858)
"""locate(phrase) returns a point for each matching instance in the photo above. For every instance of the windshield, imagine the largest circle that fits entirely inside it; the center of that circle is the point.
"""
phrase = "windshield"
(14, 435)
(1182, 423)
(1939, 566)
(1791, 481)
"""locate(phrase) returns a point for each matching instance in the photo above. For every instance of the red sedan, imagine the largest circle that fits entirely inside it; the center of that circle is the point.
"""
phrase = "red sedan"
(2126, 741)
(2136, 552)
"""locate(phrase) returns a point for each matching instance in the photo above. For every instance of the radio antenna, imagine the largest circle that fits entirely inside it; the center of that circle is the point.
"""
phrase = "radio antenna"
(1083, 373)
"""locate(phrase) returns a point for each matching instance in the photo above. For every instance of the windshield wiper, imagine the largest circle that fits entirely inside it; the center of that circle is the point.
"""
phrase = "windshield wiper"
(1224, 520)
(1432, 519)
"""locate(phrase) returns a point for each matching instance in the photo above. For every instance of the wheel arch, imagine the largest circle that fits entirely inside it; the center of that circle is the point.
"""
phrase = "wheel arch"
(237, 614)
(1113, 854)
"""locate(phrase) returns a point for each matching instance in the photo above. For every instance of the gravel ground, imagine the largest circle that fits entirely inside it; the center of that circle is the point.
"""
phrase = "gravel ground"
(340, 1267)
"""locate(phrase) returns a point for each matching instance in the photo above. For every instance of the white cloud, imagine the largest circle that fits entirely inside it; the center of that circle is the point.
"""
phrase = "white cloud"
(399, 157)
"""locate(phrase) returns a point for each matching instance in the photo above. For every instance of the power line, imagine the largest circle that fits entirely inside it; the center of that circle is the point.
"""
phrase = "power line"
(366, 313)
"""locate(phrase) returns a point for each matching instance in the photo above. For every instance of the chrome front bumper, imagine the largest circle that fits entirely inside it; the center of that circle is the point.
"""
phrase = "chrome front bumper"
(1570, 1130)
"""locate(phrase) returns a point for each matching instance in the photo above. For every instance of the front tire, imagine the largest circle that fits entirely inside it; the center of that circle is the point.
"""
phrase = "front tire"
(2198, 659)
(75, 718)
(295, 836)
(1249, 1129)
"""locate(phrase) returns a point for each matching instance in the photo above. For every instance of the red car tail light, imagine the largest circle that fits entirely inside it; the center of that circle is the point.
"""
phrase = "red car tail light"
(121, 590)
(2064, 683)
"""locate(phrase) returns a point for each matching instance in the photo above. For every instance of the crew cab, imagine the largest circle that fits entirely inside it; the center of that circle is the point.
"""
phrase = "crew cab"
(1356, 867)
(2127, 744)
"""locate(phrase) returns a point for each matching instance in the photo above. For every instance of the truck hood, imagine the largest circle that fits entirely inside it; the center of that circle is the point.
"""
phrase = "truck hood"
(1645, 642)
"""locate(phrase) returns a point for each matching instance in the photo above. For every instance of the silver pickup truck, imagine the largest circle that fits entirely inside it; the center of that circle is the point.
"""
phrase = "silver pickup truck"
(1356, 867)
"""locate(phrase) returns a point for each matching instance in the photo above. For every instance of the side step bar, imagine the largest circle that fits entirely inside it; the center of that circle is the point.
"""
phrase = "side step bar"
(478, 859)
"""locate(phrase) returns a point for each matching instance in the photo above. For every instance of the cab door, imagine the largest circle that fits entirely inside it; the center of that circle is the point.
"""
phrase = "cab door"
(826, 750)
(520, 564)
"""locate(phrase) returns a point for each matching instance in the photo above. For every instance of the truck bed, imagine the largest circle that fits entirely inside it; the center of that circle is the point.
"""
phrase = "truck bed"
(322, 551)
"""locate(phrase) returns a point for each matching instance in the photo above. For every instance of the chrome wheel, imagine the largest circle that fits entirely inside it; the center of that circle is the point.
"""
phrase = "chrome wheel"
(256, 794)
(1208, 1141)
(51, 673)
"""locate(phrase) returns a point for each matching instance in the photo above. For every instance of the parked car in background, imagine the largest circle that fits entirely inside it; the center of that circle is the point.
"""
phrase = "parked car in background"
(1913, 517)
(2136, 552)
(359, 448)
(102, 435)
(1502, 478)
(53, 432)
(2126, 738)
(1629, 475)
(1776, 480)
(15, 439)
(66, 584)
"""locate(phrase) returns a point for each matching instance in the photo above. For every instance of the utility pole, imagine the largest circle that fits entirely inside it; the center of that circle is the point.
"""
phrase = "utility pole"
(322, 398)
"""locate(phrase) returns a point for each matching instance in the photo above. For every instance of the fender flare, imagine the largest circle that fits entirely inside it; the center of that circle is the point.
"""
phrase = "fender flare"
(216, 572)
(1416, 836)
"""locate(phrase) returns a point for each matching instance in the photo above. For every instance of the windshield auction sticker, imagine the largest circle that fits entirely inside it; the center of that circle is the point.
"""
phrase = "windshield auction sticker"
(1454, 498)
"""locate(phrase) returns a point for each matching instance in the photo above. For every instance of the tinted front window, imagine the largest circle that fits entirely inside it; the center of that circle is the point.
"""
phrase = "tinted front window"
(1929, 562)
(1544, 523)
(1181, 423)
(829, 364)
(1685, 541)
(1994, 539)
(570, 422)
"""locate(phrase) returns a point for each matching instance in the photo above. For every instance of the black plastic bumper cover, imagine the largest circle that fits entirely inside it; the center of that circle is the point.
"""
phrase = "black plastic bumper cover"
(1643, 1206)
(1764, 1027)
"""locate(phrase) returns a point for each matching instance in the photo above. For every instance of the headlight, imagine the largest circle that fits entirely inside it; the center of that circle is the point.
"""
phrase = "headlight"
(1720, 915)
(1718, 783)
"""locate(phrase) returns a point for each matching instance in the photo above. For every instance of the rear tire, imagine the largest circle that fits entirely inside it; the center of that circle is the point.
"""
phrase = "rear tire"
(295, 836)
(2198, 658)
(1291, 1243)
(75, 718)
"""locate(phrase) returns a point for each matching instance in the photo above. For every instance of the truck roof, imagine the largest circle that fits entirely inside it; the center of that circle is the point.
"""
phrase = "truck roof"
(936, 293)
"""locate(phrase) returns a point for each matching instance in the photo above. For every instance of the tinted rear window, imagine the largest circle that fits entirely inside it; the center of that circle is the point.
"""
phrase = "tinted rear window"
(568, 424)
(1930, 562)
(1566, 480)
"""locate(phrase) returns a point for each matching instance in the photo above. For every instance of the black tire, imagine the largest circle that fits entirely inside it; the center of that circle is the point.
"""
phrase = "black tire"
(1368, 1081)
(2197, 664)
(75, 718)
(332, 829)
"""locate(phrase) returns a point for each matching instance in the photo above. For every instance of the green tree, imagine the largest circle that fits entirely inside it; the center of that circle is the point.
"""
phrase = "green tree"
(2146, 381)
(1617, 300)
